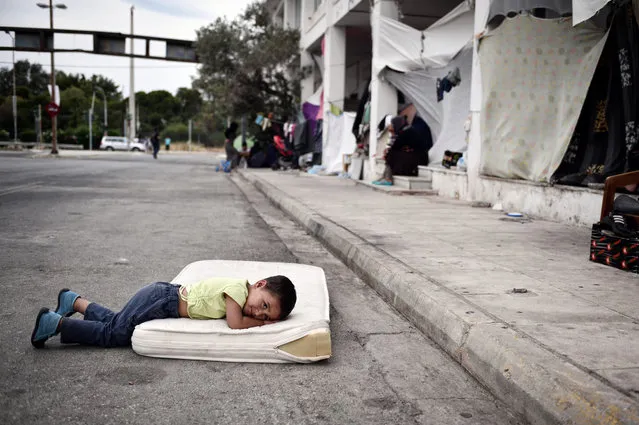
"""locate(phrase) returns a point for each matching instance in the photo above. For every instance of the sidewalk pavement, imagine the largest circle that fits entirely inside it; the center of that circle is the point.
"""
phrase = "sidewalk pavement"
(564, 352)
(79, 154)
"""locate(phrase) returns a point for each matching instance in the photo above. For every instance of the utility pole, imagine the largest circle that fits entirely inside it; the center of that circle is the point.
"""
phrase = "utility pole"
(91, 128)
(91, 122)
(190, 131)
(39, 124)
(54, 119)
(132, 122)
(15, 99)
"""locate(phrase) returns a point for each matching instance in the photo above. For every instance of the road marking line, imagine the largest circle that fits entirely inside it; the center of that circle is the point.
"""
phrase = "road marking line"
(19, 188)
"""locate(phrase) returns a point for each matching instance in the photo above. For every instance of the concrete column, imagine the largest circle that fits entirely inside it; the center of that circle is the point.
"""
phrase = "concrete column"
(334, 66)
(289, 13)
(383, 95)
(334, 72)
(474, 137)
(307, 11)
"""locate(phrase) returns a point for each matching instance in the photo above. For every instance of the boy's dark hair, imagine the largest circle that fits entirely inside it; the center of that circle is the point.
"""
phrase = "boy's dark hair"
(282, 288)
(231, 132)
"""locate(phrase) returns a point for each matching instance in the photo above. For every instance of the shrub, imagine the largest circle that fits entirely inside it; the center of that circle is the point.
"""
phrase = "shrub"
(4, 135)
(26, 136)
(176, 131)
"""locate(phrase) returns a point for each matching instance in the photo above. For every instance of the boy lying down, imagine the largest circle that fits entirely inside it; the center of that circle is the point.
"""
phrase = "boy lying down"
(243, 305)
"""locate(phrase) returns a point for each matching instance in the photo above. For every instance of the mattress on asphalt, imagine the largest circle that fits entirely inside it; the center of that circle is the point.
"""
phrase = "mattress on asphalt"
(303, 337)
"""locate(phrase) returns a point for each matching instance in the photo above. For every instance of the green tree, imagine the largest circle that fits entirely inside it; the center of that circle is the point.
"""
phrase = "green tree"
(73, 106)
(249, 65)
(190, 101)
(28, 75)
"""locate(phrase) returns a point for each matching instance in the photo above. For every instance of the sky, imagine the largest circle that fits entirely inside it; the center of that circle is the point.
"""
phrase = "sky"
(177, 19)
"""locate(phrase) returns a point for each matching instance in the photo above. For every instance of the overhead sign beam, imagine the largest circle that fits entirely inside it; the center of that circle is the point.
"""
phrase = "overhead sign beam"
(104, 43)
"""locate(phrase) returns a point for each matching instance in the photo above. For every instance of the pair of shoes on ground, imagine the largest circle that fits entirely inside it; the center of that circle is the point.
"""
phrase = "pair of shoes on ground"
(47, 322)
(383, 182)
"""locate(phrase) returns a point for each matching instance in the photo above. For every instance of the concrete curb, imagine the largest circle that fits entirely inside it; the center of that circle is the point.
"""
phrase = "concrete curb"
(536, 382)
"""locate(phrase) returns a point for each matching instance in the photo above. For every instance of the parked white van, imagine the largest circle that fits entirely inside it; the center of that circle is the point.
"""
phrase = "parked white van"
(113, 143)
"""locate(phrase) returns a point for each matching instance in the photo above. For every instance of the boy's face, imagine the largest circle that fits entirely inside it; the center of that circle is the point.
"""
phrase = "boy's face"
(261, 303)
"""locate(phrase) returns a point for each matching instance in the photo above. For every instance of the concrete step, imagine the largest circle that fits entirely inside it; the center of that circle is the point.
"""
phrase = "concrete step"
(425, 172)
(413, 183)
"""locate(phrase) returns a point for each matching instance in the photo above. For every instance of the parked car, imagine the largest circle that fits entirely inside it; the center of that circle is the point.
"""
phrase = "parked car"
(113, 143)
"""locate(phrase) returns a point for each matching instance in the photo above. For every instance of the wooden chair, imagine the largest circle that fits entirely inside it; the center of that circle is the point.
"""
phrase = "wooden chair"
(613, 183)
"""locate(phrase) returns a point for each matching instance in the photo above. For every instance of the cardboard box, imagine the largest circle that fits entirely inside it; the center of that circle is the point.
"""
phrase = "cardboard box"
(614, 251)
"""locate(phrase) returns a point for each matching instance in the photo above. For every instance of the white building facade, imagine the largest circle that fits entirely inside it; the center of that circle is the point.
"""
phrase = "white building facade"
(340, 45)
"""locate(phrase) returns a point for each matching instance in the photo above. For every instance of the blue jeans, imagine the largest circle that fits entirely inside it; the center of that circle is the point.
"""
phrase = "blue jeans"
(104, 328)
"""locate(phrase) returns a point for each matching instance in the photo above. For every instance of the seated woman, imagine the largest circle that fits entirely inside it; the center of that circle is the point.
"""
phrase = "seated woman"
(404, 154)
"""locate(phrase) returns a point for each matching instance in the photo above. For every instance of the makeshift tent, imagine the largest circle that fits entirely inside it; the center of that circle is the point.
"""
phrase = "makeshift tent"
(339, 141)
(582, 10)
(535, 76)
(504, 7)
(445, 118)
(606, 139)
(403, 48)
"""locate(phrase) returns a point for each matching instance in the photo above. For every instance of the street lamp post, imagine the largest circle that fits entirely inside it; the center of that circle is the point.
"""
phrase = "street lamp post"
(54, 119)
(15, 99)
(132, 110)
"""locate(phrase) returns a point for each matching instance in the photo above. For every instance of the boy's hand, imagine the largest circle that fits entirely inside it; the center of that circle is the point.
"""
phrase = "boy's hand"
(236, 319)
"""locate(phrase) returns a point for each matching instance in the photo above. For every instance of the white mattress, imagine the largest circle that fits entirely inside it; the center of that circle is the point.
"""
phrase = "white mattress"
(303, 337)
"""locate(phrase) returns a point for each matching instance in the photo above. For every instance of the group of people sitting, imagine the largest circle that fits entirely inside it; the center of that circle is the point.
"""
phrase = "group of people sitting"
(407, 148)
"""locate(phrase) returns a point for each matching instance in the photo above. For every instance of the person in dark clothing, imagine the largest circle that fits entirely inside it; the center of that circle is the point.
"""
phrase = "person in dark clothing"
(232, 155)
(155, 142)
(424, 137)
(403, 155)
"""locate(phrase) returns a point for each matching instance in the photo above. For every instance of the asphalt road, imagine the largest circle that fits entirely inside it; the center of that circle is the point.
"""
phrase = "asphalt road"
(107, 225)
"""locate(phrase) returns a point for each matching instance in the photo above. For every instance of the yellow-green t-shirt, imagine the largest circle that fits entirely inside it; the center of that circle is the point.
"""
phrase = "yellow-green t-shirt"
(205, 299)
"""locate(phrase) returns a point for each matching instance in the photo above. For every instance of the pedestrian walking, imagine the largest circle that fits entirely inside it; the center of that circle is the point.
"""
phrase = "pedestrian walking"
(155, 142)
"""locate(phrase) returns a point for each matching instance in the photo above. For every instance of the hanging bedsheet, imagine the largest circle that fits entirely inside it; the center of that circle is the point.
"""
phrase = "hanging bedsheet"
(504, 7)
(403, 48)
(582, 10)
(535, 76)
(340, 140)
(606, 140)
(446, 117)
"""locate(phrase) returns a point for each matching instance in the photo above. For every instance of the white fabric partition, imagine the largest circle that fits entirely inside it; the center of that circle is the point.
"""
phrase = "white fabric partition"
(339, 140)
(404, 48)
(535, 76)
(446, 118)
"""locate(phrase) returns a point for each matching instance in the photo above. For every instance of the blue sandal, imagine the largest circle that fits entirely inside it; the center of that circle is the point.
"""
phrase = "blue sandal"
(382, 183)
(66, 298)
(46, 326)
